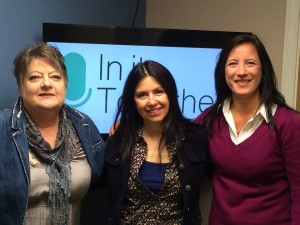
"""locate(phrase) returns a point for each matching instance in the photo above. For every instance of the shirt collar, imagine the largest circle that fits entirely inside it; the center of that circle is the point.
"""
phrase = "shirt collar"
(261, 110)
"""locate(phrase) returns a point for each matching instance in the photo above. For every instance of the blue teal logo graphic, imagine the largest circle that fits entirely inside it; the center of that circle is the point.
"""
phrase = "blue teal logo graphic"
(76, 69)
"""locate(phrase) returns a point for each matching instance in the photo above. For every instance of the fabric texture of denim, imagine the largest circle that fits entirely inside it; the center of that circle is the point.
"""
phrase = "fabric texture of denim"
(14, 159)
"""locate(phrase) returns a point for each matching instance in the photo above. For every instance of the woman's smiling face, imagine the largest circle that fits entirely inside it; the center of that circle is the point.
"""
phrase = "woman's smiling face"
(43, 87)
(151, 101)
(243, 71)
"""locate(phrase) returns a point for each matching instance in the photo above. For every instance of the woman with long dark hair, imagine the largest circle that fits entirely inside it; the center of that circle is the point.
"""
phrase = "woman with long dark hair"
(254, 141)
(155, 160)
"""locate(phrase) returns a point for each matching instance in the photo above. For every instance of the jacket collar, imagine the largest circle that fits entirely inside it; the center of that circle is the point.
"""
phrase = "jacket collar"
(18, 120)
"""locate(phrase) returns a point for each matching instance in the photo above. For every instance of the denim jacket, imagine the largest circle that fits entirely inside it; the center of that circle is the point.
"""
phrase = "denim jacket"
(192, 162)
(14, 159)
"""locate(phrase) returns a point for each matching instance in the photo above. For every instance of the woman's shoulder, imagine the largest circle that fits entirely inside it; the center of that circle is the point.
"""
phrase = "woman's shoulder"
(285, 114)
(5, 112)
(287, 121)
(77, 116)
(195, 133)
(5, 116)
(195, 144)
(288, 125)
(113, 142)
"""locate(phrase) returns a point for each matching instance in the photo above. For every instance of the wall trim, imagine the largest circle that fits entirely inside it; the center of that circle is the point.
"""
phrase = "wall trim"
(290, 64)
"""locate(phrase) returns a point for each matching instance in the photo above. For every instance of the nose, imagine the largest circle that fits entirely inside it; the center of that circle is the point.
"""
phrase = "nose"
(46, 83)
(241, 70)
(152, 100)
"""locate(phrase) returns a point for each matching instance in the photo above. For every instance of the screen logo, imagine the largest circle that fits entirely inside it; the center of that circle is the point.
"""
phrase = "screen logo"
(76, 69)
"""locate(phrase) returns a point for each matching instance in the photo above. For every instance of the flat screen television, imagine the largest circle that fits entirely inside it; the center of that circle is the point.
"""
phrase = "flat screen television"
(98, 60)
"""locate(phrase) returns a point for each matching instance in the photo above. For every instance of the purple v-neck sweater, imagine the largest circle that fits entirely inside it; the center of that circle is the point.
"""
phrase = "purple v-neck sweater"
(257, 182)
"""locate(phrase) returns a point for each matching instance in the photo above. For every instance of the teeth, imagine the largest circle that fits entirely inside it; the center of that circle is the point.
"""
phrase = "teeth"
(242, 81)
(153, 110)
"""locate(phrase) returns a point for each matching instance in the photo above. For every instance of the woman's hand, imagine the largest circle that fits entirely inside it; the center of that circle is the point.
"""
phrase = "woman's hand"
(113, 128)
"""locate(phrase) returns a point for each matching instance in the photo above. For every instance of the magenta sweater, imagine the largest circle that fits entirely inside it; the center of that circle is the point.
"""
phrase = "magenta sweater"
(257, 182)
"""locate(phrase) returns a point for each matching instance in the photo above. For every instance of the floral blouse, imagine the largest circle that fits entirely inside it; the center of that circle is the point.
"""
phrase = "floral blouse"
(141, 206)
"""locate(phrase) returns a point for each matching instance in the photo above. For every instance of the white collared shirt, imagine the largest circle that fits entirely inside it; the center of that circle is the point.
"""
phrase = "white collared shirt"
(252, 124)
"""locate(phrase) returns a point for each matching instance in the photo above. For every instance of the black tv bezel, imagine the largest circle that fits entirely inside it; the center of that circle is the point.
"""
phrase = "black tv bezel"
(75, 33)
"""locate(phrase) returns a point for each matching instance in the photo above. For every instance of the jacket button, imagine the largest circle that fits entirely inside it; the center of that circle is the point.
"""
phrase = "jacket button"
(116, 159)
(181, 166)
(188, 187)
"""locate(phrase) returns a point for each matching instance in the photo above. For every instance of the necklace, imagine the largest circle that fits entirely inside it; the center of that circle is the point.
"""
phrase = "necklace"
(154, 150)
(238, 131)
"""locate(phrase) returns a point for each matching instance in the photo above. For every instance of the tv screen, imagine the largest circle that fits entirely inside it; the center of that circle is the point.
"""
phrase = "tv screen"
(98, 60)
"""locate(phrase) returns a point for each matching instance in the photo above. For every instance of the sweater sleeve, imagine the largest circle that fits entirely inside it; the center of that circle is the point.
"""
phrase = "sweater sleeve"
(289, 139)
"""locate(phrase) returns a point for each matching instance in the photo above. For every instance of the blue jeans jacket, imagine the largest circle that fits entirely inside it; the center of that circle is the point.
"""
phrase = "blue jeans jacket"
(14, 159)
